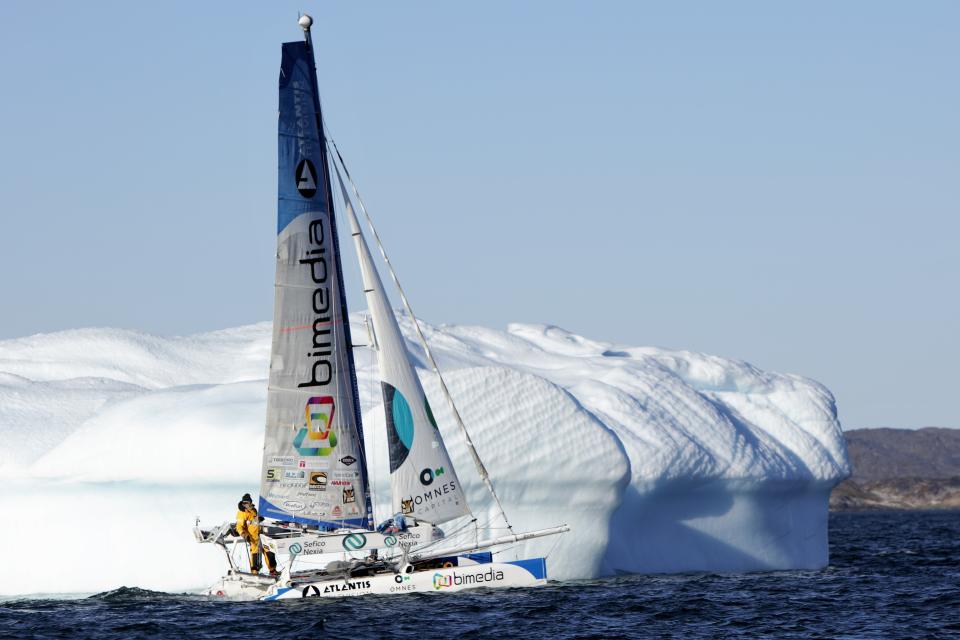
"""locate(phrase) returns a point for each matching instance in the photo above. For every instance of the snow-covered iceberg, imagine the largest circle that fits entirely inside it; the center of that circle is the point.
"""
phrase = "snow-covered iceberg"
(659, 460)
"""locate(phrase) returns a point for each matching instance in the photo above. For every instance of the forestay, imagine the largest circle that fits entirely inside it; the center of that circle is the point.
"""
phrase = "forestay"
(422, 478)
(314, 470)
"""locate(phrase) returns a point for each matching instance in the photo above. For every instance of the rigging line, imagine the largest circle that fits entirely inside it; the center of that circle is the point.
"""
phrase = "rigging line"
(485, 525)
(481, 469)
(554, 547)
(446, 537)
(513, 546)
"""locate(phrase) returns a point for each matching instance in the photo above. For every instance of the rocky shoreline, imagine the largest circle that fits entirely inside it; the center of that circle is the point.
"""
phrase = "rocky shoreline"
(896, 494)
(900, 469)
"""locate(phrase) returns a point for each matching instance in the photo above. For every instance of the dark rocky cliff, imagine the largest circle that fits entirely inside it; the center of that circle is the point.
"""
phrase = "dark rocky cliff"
(901, 469)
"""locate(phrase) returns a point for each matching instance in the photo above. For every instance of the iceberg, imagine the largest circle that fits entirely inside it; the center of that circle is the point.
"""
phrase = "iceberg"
(659, 460)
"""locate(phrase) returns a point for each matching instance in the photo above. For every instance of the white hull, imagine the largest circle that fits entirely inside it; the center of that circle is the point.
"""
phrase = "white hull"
(522, 573)
(491, 575)
(240, 586)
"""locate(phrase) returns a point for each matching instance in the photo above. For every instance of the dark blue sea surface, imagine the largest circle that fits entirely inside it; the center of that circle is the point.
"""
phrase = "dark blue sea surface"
(891, 575)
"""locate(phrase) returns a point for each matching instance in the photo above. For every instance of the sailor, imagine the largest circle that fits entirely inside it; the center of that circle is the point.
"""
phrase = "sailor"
(396, 524)
(248, 527)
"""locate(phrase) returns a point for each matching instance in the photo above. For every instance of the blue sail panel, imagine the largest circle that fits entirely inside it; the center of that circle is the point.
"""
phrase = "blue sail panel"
(301, 156)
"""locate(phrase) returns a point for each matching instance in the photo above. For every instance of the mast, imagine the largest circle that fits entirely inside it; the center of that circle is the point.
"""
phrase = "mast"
(314, 464)
(306, 22)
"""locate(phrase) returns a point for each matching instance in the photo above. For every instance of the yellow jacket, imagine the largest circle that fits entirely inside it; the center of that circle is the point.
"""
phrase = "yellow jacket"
(248, 525)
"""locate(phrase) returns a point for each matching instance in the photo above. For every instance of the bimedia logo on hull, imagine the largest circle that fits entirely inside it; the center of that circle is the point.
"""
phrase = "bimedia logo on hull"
(441, 581)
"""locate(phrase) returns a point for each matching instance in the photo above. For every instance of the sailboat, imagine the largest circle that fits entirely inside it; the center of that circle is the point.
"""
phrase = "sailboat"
(315, 498)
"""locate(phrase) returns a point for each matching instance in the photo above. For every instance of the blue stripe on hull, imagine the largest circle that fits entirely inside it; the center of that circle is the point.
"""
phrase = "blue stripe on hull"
(537, 567)
(279, 593)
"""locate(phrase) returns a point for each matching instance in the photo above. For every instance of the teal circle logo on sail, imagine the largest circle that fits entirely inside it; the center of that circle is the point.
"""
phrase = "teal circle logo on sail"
(400, 426)
(390, 540)
(354, 541)
(295, 548)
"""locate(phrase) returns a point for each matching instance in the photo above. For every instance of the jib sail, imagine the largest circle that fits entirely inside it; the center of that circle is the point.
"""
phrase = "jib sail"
(314, 471)
(422, 479)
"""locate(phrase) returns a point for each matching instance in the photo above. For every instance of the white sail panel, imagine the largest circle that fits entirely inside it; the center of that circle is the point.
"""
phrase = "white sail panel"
(312, 451)
(423, 481)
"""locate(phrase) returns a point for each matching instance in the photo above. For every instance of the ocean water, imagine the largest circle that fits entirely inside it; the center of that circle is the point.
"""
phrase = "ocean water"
(891, 575)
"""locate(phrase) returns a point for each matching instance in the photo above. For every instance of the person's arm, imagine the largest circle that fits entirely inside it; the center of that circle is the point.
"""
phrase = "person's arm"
(242, 525)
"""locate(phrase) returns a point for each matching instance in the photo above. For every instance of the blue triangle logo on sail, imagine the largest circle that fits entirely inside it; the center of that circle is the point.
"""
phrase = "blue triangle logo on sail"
(306, 178)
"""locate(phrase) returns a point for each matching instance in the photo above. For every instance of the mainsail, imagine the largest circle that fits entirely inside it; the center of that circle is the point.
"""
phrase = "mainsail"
(314, 470)
(422, 478)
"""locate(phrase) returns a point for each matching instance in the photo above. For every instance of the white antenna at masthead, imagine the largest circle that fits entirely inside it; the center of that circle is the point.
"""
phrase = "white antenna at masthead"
(306, 22)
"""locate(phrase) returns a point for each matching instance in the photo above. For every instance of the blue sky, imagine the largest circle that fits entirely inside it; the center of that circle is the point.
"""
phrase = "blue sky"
(766, 182)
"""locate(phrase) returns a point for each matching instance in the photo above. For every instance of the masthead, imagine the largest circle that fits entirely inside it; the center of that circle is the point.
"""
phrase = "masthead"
(306, 22)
